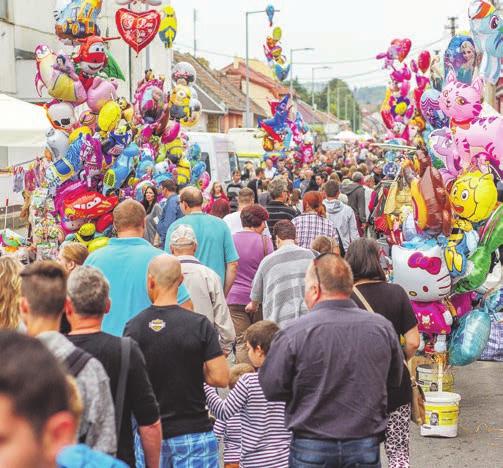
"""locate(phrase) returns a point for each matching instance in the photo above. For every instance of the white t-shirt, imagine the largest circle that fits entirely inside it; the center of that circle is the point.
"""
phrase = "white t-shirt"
(270, 173)
(233, 220)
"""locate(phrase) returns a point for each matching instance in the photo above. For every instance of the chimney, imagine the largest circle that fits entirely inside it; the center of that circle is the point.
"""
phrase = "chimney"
(236, 62)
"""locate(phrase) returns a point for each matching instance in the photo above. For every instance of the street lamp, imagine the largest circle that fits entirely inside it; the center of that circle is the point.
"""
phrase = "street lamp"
(303, 49)
(312, 83)
(247, 116)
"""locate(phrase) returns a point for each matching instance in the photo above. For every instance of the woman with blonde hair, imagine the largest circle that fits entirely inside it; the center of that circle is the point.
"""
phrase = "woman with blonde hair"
(10, 292)
(72, 255)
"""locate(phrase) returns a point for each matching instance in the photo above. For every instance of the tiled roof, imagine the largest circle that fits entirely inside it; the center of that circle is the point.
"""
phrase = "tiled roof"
(260, 79)
(219, 88)
(312, 116)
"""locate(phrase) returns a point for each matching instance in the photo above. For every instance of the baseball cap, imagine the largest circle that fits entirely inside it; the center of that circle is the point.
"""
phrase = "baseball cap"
(183, 235)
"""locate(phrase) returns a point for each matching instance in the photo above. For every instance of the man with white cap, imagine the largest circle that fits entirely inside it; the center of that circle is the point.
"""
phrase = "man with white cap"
(204, 285)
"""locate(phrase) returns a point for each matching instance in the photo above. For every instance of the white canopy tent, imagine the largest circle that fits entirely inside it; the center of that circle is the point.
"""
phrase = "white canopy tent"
(346, 135)
(22, 124)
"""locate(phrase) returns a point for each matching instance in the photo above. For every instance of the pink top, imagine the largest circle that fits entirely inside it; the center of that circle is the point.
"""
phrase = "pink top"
(250, 247)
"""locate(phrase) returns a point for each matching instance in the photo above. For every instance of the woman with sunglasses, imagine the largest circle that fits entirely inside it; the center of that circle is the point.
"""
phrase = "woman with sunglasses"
(373, 293)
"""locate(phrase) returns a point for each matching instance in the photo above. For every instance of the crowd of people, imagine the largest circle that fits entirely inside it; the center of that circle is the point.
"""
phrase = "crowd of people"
(269, 288)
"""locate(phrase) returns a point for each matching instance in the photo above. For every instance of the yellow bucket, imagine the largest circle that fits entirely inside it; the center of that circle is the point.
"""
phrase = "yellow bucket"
(442, 413)
(427, 378)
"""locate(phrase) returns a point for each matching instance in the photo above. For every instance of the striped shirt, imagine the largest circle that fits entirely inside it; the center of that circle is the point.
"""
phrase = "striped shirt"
(279, 284)
(229, 432)
(265, 441)
(311, 225)
(277, 212)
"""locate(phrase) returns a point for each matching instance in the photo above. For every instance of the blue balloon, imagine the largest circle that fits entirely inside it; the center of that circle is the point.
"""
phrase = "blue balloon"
(470, 338)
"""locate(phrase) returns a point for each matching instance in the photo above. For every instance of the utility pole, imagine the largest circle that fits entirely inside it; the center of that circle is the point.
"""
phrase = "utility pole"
(328, 97)
(346, 108)
(452, 25)
(195, 29)
(337, 90)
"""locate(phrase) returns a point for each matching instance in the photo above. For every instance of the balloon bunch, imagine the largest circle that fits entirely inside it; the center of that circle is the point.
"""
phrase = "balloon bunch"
(282, 135)
(274, 51)
(100, 147)
(440, 212)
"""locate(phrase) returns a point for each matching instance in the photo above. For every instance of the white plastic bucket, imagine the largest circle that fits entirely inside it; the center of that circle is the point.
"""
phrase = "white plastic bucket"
(442, 414)
(427, 378)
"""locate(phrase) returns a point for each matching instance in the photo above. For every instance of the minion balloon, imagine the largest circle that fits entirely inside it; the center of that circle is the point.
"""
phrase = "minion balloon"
(168, 27)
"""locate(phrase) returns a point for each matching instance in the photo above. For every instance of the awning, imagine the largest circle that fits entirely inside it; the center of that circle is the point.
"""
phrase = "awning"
(21, 124)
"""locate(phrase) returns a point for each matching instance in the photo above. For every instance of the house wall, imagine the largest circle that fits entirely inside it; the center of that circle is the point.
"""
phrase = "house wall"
(260, 95)
(231, 121)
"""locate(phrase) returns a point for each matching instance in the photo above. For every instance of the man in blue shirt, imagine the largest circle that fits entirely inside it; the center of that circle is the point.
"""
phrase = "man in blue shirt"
(124, 263)
(215, 247)
(170, 210)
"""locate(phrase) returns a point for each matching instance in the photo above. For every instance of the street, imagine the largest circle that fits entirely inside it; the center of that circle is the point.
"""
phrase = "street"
(480, 438)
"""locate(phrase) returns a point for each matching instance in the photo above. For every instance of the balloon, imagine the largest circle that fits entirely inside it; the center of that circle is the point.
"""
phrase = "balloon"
(195, 114)
(179, 101)
(183, 73)
(77, 19)
(57, 142)
(89, 205)
(92, 58)
(477, 138)
(433, 318)
(168, 26)
(109, 116)
(430, 109)
(137, 29)
(474, 196)
(67, 166)
(78, 132)
(430, 200)
(204, 181)
(101, 92)
(150, 101)
(104, 222)
(480, 261)
(402, 47)
(485, 26)
(423, 61)
(461, 58)
(270, 13)
(470, 338)
(57, 74)
(422, 272)
(97, 243)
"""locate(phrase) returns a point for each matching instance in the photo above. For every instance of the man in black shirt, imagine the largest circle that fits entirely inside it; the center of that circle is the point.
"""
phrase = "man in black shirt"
(182, 352)
(88, 301)
(277, 208)
(233, 190)
(256, 183)
(332, 367)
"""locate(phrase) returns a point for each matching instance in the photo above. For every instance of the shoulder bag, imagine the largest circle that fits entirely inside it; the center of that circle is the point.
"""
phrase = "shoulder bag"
(418, 411)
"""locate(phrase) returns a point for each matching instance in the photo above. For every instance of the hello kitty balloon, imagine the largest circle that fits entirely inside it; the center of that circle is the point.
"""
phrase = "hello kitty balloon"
(422, 273)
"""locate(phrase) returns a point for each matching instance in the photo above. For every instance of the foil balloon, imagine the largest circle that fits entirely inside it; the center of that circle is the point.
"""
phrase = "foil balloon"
(77, 19)
(183, 73)
(195, 108)
(100, 92)
(480, 261)
(137, 29)
(478, 139)
(423, 61)
(61, 115)
(109, 116)
(57, 142)
(461, 58)
(270, 10)
(485, 25)
(430, 109)
(469, 339)
(168, 27)
(204, 181)
(89, 206)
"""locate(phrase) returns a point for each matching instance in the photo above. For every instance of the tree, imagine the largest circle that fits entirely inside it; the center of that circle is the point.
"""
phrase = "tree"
(301, 91)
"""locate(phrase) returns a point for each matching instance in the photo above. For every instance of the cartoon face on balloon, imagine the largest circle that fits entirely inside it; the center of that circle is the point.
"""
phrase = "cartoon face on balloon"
(461, 57)
(183, 73)
(422, 273)
(430, 108)
(474, 196)
(460, 101)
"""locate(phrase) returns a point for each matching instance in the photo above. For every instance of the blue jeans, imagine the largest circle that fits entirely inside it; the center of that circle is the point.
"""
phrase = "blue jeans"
(313, 453)
(198, 450)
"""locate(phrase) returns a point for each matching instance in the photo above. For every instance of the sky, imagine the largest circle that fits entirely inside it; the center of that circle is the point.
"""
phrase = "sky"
(338, 30)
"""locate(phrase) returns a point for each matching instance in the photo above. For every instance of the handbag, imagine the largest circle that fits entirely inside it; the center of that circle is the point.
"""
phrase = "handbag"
(342, 250)
(418, 411)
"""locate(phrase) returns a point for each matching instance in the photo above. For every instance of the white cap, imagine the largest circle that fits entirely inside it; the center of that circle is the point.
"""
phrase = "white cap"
(183, 235)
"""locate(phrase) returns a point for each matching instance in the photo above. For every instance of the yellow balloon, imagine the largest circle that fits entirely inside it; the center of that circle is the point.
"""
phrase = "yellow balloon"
(401, 108)
(276, 33)
(183, 170)
(97, 243)
(109, 116)
(84, 130)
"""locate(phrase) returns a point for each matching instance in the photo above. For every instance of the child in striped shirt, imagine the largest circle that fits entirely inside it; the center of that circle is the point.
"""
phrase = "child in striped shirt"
(229, 432)
(265, 441)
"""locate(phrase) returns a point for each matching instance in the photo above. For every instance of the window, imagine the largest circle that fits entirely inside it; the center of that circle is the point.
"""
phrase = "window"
(233, 162)
(3, 9)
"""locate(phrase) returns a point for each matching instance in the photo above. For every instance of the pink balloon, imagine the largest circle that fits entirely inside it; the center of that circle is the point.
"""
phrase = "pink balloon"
(424, 61)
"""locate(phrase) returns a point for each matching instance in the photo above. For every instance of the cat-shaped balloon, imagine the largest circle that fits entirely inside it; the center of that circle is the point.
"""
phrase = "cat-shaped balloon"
(478, 140)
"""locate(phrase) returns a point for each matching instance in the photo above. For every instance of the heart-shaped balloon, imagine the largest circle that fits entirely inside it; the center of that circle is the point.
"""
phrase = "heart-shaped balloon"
(137, 29)
(423, 61)
(402, 47)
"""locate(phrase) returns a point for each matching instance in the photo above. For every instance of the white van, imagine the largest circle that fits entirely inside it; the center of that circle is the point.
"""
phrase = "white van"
(248, 146)
(218, 153)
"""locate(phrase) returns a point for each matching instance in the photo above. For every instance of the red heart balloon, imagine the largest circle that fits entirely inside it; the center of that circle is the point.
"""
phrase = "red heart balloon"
(137, 29)
(424, 60)
(404, 49)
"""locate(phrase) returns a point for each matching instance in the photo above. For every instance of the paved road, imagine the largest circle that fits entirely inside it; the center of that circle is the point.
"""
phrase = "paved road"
(480, 438)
